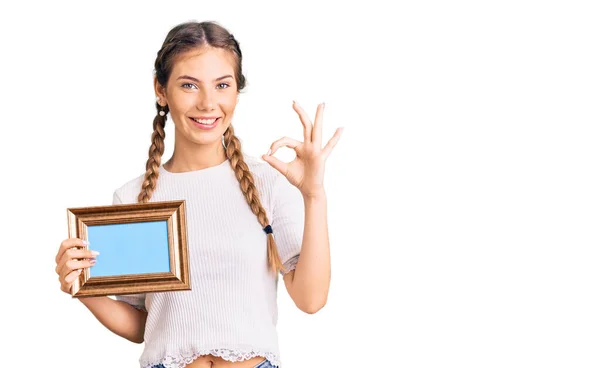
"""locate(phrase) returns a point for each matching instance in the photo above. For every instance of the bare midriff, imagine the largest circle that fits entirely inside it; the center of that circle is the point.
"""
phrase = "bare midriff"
(210, 361)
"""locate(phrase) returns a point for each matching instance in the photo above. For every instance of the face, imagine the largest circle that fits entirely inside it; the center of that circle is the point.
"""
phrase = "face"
(202, 94)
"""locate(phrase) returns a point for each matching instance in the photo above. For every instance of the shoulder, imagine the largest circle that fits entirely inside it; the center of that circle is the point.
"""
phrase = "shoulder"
(261, 170)
(267, 180)
(272, 184)
(129, 190)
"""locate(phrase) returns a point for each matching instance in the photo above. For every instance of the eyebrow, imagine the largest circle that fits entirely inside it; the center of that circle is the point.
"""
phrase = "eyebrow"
(196, 80)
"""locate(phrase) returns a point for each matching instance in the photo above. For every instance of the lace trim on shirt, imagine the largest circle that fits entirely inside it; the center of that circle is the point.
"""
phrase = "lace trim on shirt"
(139, 307)
(290, 265)
(173, 360)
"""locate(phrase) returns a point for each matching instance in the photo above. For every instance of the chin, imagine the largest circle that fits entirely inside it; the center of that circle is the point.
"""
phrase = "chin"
(207, 137)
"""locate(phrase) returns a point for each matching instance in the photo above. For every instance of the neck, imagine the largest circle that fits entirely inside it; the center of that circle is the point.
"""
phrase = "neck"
(188, 156)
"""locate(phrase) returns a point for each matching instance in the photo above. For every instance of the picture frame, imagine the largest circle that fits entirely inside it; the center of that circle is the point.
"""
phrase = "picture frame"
(142, 248)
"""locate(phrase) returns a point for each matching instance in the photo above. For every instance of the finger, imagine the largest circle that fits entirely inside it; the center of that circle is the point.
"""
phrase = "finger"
(76, 265)
(318, 126)
(332, 142)
(75, 254)
(67, 284)
(73, 265)
(68, 244)
(65, 288)
(279, 165)
(284, 142)
(305, 121)
(72, 276)
(81, 253)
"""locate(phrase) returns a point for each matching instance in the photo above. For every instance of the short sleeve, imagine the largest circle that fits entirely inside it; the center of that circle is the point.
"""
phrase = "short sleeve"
(287, 222)
(138, 301)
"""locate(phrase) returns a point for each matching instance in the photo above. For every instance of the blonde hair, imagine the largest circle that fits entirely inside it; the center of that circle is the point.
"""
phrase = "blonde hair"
(182, 38)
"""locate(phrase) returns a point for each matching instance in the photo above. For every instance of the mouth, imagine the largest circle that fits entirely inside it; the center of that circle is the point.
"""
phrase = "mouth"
(205, 123)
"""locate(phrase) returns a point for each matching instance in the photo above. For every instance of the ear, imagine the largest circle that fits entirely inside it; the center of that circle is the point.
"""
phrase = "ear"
(160, 93)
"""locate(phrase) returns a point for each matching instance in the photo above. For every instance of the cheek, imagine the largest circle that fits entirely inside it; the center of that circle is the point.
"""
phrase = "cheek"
(228, 104)
(182, 101)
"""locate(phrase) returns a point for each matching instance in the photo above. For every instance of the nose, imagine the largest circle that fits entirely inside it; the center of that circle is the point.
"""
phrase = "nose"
(206, 100)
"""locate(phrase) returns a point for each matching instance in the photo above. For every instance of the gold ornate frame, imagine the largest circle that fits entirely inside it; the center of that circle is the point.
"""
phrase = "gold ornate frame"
(172, 211)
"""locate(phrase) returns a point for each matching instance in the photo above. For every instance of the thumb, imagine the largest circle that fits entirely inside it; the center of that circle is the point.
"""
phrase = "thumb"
(276, 163)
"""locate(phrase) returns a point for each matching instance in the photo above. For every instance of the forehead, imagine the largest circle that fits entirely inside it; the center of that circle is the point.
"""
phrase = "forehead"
(204, 63)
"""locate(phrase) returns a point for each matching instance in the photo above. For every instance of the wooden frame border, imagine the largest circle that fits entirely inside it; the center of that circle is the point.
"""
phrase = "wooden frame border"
(172, 211)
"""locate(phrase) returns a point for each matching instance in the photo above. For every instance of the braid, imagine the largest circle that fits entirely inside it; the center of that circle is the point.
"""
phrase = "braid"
(244, 176)
(157, 148)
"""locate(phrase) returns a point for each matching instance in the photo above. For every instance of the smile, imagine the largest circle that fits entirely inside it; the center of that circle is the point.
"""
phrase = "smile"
(206, 123)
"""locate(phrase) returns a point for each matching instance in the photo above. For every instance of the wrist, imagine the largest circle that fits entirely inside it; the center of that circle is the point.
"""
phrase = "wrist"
(315, 196)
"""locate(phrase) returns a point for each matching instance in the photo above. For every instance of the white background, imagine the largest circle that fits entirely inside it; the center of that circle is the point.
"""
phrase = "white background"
(463, 196)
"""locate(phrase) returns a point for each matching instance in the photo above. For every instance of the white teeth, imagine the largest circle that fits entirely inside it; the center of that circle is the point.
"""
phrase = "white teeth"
(204, 121)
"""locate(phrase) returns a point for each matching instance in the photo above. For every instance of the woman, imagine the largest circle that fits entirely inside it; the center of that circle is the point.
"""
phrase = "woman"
(236, 207)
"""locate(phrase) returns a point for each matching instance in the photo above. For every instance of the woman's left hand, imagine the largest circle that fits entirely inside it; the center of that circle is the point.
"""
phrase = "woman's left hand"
(307, 170)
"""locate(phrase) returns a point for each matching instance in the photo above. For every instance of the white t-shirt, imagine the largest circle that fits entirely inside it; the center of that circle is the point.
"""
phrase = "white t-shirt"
(231, 311)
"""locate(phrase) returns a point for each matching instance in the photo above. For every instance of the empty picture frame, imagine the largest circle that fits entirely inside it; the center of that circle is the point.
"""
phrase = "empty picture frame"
(142, 246)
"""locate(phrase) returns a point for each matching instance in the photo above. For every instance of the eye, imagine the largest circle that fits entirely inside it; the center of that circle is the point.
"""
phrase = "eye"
(222, 85)
(187, 84)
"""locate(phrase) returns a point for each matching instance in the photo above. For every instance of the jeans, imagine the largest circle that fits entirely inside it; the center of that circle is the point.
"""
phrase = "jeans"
(264, 364)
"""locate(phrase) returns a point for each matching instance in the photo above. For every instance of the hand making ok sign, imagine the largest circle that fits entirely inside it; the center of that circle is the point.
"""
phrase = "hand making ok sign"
(307, 170)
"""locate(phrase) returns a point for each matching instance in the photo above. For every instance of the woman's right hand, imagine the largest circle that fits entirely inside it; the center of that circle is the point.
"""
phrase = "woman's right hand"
(72, 257)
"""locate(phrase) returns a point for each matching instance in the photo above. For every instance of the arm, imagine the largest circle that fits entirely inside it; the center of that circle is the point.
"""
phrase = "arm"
(118, 316)
(308, 284)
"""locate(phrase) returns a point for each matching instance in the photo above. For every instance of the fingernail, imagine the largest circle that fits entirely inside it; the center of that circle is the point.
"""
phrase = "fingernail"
(268, 152)
(92, 261)
(293, 102)
(85, 242)
(95, 252)
(323, 104)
